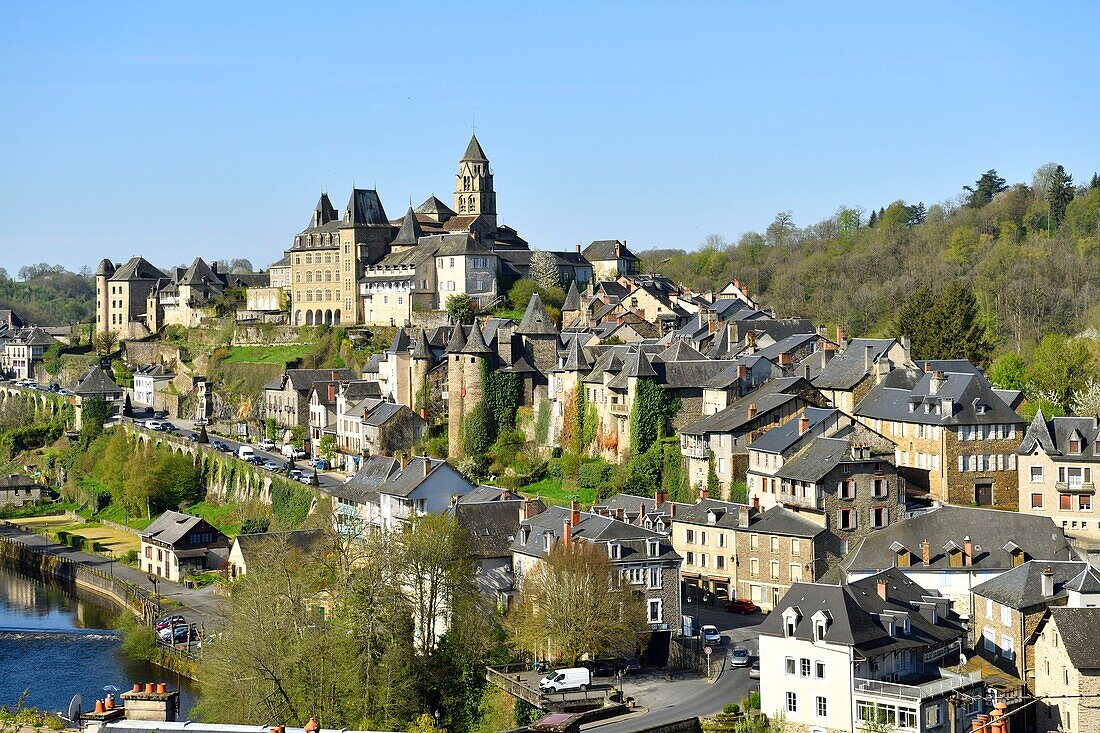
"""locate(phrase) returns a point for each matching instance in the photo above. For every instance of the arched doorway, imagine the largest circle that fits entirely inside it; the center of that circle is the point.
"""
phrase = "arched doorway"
(336, 317)
(309, 318)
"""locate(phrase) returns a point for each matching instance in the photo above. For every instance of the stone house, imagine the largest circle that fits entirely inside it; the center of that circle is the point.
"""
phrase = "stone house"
(833, 471)
(955, 548)
(17, 490)
(369, 426)
(955, 435)
(644, 558)
(726, 434)
(149, 381)
(286, 398)
(775, 550)
(175, 545)
(250, 549)
(846, 377)
(610, 258)
(1057, 458)
(1067, 671)
(1009, 608)
(22, 353)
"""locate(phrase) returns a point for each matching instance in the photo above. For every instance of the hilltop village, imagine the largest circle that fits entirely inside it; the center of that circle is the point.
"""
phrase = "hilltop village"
(848, 535)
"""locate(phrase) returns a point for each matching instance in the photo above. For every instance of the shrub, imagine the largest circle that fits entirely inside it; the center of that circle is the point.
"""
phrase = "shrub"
(555, 467)
(731, 708)
(594, 476)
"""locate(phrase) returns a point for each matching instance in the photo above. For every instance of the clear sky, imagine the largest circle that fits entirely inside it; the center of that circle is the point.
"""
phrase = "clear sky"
(176, 130)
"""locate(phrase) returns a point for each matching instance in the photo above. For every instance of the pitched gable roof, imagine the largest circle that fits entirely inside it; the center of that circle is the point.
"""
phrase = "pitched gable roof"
(536, 322)
(410, 231)
(572, 298)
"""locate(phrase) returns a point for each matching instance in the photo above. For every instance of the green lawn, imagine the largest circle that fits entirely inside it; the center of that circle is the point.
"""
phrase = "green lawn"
(554, 491)
(226, 517)
(115, 513)
(265, 354)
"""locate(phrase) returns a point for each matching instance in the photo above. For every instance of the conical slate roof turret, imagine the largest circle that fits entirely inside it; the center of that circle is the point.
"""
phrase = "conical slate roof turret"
(572, 298)
(457, 341)
(575, 360)
(400, 341)
(324, 211)
(106, 268)
(410, 231)
(475, 343)
(420, 349)
(536, 322)
(637, 365)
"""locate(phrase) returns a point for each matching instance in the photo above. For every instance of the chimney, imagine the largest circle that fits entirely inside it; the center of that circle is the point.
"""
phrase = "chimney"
(704, 493)
(403, 461)
(905, 343)
(803, 424)
(823, 331)
(312, 726)
(335, 375)
(839, 335)
(428, 466)
(785, 359)
(671, 510)
(883, 590)
(566, 533)
(926, 553)
(618, 250)
(527, 509)
(578, 246)
(756, 503)
(574, 512)
(806, 371)
(1047, 585)
(620, 514)
(742, 371)
(752, 410)
(454, 499)
(660, 496)
(331, 391)
(968, 551)
(868, 357)
(927, 366)
(936, 382)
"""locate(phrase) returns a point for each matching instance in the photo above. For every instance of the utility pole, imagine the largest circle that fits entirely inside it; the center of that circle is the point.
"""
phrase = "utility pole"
(952, 702)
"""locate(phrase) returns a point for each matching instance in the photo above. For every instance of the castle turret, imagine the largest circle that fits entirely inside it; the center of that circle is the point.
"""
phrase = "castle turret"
(540, 340)
(103, 298)
(421, 365)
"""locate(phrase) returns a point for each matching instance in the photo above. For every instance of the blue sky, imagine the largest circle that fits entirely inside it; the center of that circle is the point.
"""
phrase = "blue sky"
(189, 129)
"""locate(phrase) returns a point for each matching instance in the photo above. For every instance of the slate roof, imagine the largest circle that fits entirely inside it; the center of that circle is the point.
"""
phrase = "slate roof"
(1078, 629)
(680, 351)
(154, 370)
(200, 273)
(420, 347)
(475, 342)
(778, 329)
(848, 368)
(572, 298)
(410, 231)
(474, 153)
(106, 268)
(436, 207)
(576, 360)
(636, 364)
(594, 528)
(1087, 581)
(780, 438)
(137, 268)
(457, 342)
(604, 249)
(1053, 437)
(16, 481)
(383, 475)
(171, 527)
(853, 610)
(454, 245)
(491, 525)
(96, 383)
(365, 208)
(820, 456)
(891, 399)
(989, 530)
(301, 380)
(782, 521)
(300, 540)
(770, 396)
(688, 374)
(1021, 587)
(535, 321)
(34, 337)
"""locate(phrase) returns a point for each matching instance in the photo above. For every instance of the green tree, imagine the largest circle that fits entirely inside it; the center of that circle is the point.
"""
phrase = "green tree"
(944, 324)
(271, 429)
(326, 447)
(460, 308)
(988, 185)
(544, 270)
(1059, 368)
(94, 412)
(297, 437)
(1007, 371)
(1059, 195)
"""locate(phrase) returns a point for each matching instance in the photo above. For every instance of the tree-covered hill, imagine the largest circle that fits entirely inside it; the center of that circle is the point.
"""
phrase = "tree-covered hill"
(1030, 253)
(49, 295)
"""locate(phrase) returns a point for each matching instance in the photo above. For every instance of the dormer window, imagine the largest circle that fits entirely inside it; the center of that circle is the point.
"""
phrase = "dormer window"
(790, 621)
(980, 409)
(548, 541)
(654, 547)
(615, 551)
(1075, 444)
(821, 625)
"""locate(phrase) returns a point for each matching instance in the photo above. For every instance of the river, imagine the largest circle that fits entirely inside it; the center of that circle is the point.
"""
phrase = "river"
(55, 645)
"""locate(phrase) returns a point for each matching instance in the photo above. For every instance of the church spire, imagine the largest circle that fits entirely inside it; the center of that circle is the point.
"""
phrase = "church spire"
(474, 194)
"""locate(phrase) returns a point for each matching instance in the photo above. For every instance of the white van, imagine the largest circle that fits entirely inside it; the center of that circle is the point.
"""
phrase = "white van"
(154, 425)
(571, 678)
(245, 452)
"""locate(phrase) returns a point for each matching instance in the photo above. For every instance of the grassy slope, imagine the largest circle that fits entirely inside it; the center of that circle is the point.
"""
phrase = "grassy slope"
(265, 354)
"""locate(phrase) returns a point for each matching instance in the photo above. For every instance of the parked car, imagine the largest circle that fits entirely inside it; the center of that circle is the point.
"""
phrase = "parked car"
(742, 605)
(570, 678)
(710, 634)
(754, 670)
(192, 436)
(255, 460)
(272, 465)
(304, 479)
(221, 447)
(179, 635)
(246, 453)
(321, 464)
(629, 665)
(295, 474)
(154, 425)
(201, 421)
(164, 623)
(739, 657)
(161, 414)
(168, 427)
(266, 445)
(601, 667)
(289, 452)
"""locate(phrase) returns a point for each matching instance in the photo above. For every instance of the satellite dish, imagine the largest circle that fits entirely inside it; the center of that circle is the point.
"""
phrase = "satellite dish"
(74, 707)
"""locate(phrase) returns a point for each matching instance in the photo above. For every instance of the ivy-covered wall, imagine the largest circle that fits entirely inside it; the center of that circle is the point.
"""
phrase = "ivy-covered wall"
(650, 414)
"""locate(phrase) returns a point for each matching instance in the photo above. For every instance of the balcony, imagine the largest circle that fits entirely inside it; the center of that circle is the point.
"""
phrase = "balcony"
(1075, 488)
(695, 450)
(618, 408)
(806, 502)
(914, 693)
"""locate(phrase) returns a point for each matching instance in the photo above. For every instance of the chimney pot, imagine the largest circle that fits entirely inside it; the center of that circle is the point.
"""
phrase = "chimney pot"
(704, 493)
(1047, 579)
(148, 688)
(99, 708)
(839, 335)
(968, 550)
(427, 465)
(578, 246)
(620, 514)
(756, 503)
(927, 366)
(162, 688)
(312, 726)
(566, 533)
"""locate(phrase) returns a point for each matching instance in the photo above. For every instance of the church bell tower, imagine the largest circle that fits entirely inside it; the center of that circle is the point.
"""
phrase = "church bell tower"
(474, 195)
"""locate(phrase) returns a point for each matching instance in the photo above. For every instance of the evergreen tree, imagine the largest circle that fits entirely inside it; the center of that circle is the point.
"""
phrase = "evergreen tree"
(1059, 195)
(985, 188)
(944, 325)
(873, 219)
(1095, 182)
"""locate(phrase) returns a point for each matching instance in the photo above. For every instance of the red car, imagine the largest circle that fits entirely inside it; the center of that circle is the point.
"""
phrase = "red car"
(742, 606)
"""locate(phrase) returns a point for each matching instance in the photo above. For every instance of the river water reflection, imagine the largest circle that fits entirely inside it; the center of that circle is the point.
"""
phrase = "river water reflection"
(55, 645)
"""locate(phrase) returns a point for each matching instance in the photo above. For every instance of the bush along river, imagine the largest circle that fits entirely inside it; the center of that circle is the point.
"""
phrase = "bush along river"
(53, 645)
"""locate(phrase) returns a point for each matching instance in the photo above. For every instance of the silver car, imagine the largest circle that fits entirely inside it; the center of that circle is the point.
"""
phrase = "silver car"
(739, 657)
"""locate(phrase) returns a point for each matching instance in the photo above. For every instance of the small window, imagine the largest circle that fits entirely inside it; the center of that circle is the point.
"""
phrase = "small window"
(804, 667)
(1075, 445)
(1064, 502)
(1036, 474)
(1084, 502)
(1036, 501)
(822, 707)
(792, 702)
(819, 670)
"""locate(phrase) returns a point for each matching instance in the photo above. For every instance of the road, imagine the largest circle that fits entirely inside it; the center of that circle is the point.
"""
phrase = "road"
(198, 605)
(679, 698)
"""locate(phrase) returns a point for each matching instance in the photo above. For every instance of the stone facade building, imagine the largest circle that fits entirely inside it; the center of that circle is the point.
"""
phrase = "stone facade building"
(286, 399)
(955, 435)
(1057, 458)
(1067, 674)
